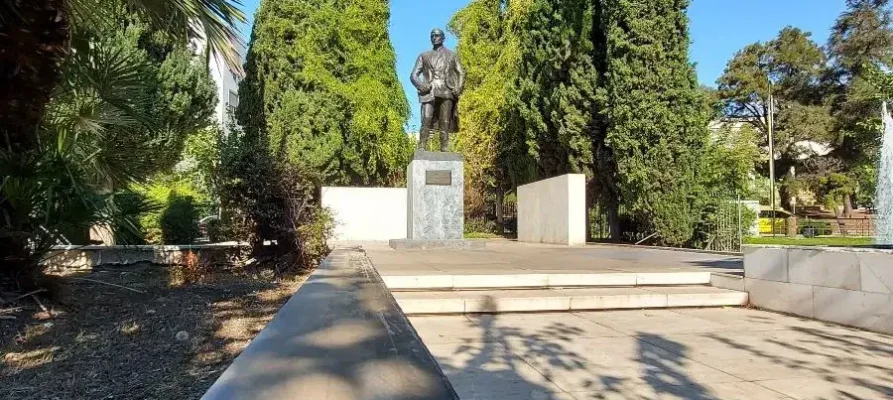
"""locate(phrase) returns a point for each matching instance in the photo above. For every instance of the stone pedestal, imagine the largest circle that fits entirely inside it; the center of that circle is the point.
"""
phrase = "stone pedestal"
(435, 203)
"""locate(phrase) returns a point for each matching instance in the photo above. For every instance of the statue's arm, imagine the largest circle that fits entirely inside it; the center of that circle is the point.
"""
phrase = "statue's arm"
(416, 77)
(461, 72)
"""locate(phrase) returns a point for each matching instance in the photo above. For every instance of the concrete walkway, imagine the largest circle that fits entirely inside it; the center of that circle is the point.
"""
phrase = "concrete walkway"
(509, 257)
(658, 354)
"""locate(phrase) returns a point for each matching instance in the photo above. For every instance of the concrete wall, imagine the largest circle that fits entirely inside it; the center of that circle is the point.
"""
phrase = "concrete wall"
(87, 257)
(850, 286)
(342, 336)
(377, 214)
(553, 210)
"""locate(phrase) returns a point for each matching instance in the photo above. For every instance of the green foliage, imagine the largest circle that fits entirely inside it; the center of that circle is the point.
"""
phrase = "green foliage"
(822, 241)
(656, 116)
(597, 87)
(812, 228)
(481, 225)
(556, 85)
(161, 192)
(179, 221)
(95, 115)
(833, 187)
(490, 51)
(263, 200)
(729, 159)
(796, 67)
(322, 90)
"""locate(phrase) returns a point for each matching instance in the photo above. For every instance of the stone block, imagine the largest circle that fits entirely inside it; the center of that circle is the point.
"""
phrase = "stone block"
(500, 281)
(431, 306)
(493, 304)
(672, 278)
(571, 280)
(726, 281)
(781, 296)
(436, 244)
(620, 298)
(729, 298)
(435, 203)
(377, 214)
(872, 311)
(553, 210)
(412, 282)
(766, 263)
(876, 272)
(820, 267)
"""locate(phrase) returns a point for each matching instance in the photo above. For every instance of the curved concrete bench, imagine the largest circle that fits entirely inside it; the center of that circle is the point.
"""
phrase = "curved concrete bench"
(341, 336)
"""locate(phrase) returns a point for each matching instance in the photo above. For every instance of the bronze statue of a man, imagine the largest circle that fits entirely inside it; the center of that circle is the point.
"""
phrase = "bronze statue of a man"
(439, 78)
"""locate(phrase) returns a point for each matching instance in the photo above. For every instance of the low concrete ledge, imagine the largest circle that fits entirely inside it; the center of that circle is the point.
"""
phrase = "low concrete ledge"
(432, 244)
(850, 286)
(86, 257)
(340, 337)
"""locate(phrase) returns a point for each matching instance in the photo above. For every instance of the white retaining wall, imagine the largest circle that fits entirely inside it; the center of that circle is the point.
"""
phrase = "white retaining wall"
(850, 286)
(553, 210)
(376, 214)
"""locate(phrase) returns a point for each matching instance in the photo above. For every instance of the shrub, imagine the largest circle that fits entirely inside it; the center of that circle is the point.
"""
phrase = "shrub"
(159, 192)
(179, 221)
(813, 228)
(481, 225)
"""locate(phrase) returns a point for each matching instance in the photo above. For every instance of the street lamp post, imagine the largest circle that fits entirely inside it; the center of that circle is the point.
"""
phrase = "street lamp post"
(771, 154)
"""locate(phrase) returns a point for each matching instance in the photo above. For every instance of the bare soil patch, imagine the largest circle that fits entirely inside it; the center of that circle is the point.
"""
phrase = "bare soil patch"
(162, 340)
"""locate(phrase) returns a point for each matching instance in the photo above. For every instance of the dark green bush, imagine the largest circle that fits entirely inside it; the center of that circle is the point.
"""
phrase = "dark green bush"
(481, 225)
(179, 221)
(813, 228)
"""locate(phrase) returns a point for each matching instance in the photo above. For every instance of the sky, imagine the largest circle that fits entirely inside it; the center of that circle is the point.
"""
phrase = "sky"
(718, 28)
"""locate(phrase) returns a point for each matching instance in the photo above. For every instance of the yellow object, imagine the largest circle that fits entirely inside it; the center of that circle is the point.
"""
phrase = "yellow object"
(766, 226)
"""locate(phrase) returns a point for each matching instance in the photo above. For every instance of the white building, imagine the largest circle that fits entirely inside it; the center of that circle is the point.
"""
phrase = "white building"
(226, 79)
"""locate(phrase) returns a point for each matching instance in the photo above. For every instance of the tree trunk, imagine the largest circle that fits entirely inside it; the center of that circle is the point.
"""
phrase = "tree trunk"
(613, 211)
(35, 36)
(500, 213)
(848, 206)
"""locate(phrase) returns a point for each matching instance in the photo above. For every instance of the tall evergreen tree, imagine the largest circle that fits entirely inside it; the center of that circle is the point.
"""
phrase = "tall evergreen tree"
(322, 90)
(796, 66)
(656, 116)
(490, 134)
(861, 50)
(557, 85)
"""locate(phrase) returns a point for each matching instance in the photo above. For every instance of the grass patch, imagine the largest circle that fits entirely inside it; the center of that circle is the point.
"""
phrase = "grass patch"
(816, 241)
(165, 339)
(481, 235)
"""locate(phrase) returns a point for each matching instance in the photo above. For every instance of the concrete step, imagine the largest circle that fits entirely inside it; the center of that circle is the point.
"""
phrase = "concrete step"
(490, 301)
(542, 280)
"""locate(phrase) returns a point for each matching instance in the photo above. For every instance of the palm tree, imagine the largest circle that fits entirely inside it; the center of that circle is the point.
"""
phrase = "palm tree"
(37, 36)
(51, 158)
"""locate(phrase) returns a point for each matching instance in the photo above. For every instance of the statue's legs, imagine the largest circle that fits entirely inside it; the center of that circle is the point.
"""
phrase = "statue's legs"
(427, 125)
(445, 116)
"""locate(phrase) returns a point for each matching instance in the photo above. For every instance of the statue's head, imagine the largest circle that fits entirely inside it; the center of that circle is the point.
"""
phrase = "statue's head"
(437, 37)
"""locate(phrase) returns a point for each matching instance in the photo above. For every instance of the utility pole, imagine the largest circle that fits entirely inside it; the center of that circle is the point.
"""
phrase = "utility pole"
(771, 154)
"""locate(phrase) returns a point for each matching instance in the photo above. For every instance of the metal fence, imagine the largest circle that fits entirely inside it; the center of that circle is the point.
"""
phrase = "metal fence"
(721, 225)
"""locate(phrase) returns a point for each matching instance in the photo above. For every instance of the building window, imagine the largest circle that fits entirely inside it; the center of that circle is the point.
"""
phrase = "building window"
(233, 101)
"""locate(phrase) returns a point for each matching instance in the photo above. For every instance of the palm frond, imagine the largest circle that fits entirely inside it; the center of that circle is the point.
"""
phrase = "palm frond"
(212, 20)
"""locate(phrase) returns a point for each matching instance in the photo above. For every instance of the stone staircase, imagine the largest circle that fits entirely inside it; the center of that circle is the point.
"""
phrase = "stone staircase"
(459, 294)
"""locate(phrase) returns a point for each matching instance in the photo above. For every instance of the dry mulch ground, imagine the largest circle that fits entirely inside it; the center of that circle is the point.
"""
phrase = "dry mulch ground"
(96, 341)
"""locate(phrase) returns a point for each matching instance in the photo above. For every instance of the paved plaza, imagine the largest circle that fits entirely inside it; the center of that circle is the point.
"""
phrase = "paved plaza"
(510, 257)
(709, 353)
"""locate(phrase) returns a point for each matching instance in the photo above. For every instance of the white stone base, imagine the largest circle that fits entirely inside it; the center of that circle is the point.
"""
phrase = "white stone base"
(850, 286)
(435, 206)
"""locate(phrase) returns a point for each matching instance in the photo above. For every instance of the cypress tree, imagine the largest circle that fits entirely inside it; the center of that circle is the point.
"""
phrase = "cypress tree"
(556, 85)
(321, 90)
(656, 118)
